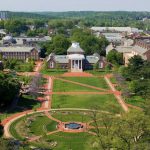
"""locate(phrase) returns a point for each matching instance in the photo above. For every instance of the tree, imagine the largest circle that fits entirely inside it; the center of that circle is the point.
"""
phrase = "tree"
(15, 26)
(135, 63)
(115, 57)
(9, 88)
(59, 45)
(88, 42)
(1, 129)
(130, 131)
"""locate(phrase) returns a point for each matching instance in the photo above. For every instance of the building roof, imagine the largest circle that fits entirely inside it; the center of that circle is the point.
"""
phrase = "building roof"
(119, 29)
(139, 49)
(32, 39)
(16, 49)
(92, 59)
(8, 38)
(61, 58)
(2, 32)
(124, 49)
(76, 56)
(75, 47)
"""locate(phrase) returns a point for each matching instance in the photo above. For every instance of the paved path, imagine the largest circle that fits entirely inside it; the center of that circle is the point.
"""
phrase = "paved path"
(46, 101)
(78, 93)
(77, 74)
(44, 106)
(117, 95)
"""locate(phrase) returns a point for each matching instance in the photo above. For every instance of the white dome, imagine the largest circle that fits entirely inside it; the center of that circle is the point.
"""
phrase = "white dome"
(8, 38)
(75, 45)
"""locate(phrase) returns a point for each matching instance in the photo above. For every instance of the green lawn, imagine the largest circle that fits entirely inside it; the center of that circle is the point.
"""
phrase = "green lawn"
(104, 102)
(13, 129)
(98, 72)
(72, 116)
(113, 80)
(42, 124)
(93, 81)
(54, 72)
(72, 141)
(136, 101)
(61, 86)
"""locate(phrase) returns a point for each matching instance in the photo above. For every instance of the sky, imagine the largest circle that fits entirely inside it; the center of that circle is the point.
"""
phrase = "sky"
(75, 5)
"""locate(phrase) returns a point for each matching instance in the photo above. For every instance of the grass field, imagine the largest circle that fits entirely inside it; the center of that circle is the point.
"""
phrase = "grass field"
(61, 86)
(53, 72)
(104, 102)
(136, 101)
(42, 124)
(72, 141)
(93, 81)
(72, 116)
(39, 124)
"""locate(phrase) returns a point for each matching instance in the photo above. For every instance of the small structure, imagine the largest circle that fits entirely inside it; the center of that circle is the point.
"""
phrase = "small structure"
(75, 60)
(74, 127)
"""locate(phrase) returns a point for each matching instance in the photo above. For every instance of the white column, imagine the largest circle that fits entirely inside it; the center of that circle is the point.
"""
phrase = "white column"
(81, 64)
(71, 64)
(78, 64)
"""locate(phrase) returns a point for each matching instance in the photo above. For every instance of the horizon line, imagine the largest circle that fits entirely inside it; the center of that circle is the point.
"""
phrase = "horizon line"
(76, 11)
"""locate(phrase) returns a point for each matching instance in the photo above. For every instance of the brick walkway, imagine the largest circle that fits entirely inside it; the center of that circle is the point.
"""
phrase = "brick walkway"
(116, 94)
(46, 101)
(77, 74)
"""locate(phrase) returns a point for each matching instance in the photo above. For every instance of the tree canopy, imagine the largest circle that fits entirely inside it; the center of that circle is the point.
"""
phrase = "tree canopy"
(9, 88)
(115, 57)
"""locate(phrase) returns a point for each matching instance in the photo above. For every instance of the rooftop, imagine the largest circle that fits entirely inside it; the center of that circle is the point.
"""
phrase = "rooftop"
(16, 49)
(75, 47)
(76, 56)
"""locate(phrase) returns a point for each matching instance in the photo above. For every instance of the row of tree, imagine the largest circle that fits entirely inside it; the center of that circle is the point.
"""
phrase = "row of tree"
(88, 42)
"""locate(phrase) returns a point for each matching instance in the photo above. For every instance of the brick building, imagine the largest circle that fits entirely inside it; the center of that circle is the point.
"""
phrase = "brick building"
(141, 48)
(20, 53)
(75, 60)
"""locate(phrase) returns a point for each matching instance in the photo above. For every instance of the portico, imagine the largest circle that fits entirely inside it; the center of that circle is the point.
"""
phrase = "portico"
(76, 61)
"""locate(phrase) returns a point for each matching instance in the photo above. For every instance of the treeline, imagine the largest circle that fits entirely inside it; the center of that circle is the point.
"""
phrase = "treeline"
(78, 14)
(20, 22)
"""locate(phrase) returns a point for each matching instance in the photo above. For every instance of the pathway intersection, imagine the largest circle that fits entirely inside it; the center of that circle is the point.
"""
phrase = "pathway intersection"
(47, 99)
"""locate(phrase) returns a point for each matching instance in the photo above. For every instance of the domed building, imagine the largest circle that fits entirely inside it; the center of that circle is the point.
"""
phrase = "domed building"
(75, 60)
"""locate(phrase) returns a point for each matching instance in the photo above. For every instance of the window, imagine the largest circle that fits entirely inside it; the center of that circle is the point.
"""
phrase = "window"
(101, 65)
(51, 64)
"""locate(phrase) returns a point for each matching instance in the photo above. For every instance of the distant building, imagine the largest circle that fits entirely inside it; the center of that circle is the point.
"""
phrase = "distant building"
(31, 40)
(75, 60)
(20, 53)
(141, 48)
(3, 15)
(113, 37)
(124, 47)
(116, 29)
